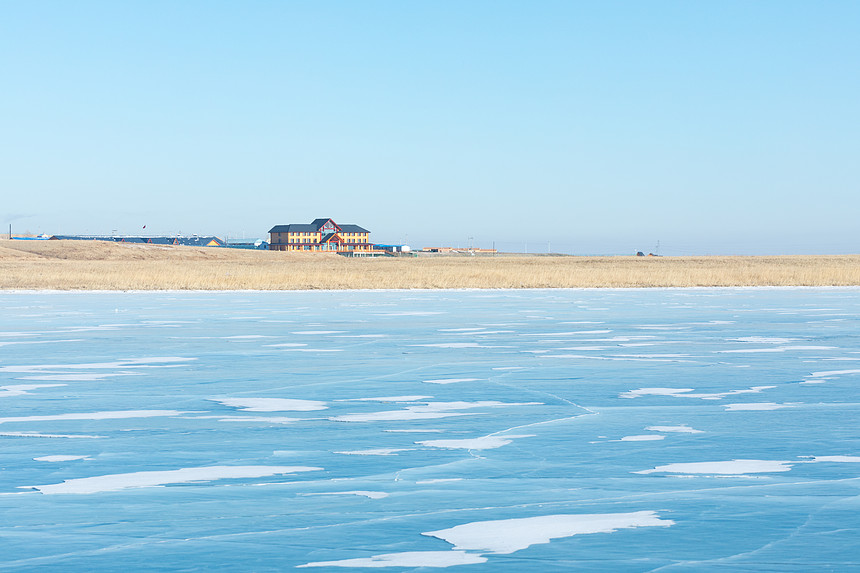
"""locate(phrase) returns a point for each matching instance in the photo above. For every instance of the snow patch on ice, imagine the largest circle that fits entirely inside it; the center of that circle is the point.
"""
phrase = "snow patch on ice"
(763, 339)
(37, 435)
(450, 380)
(271, 404)
(368, 494)
(389, 399)
(482, 443)
(680, 429)
(755, 406)
(834, 373)
(375, 452)
(428, 411)
(733, 467)
(842, 459)
(452, 345)
(114, 415)
(687, 393)
(509, 535)
(22, 389)
(60, 458)
(406, 559)
(318, 332)
(116, 482)
(643, 438)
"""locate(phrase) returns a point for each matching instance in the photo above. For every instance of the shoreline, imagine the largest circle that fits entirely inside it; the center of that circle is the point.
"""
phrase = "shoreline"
(99, 266)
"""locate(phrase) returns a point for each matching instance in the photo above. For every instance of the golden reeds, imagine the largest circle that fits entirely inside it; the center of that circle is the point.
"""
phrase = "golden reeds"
(73, 265)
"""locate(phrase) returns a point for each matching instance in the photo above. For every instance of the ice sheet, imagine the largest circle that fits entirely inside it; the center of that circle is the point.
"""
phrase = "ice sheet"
(752, 455)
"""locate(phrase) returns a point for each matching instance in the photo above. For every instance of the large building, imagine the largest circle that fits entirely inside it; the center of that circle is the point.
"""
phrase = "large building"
(321, 235)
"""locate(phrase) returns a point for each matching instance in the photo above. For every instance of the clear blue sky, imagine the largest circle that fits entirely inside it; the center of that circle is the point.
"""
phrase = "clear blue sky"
(586, 127)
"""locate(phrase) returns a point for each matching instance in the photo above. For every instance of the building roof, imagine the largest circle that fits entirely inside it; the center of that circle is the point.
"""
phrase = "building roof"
(294, 228)
(315, 227)
(352, 229)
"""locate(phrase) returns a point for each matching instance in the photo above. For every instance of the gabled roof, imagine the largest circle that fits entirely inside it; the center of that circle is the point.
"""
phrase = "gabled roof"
(352, 229)
(318, 223)
(330, 237)
(294, 228)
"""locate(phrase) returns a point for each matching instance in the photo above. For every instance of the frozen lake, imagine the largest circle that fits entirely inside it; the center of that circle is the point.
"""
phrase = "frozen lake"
(488, 431)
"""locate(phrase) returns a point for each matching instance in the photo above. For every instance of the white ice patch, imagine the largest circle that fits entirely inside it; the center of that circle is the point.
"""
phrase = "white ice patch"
(834, 373)
(367, 494)
(389, 399)
(153, 362)
(36, 435)
(841, 459)
(763, 340)
(642, 438)
(77, 377)
(271, 404)
(482, 443)
(756, 406)
(573, 333)
(452, 345)
(413, 431)
(687, 393)
(410, 313)
(362, 336)
(751, 350)
(245, 337)
(680, 429)
(619, 358)
(285, 345)
(318, 332)
(21, 389)
(252, 419)
(60, 458)
(313, 349)
(375, 452)
(510, 535)
(450, 380)
(114, 415)
(428, 411)
(407, 559)
(40, 341)
(116, 482)
(733, 467)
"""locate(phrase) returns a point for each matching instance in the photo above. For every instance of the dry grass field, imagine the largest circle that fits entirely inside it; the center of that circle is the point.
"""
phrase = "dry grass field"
(97, 265)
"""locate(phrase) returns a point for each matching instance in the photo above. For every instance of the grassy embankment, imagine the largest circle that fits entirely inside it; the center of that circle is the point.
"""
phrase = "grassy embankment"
(91, 265)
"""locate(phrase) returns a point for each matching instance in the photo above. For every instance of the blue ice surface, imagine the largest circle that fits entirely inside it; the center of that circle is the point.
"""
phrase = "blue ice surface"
(771, 375)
